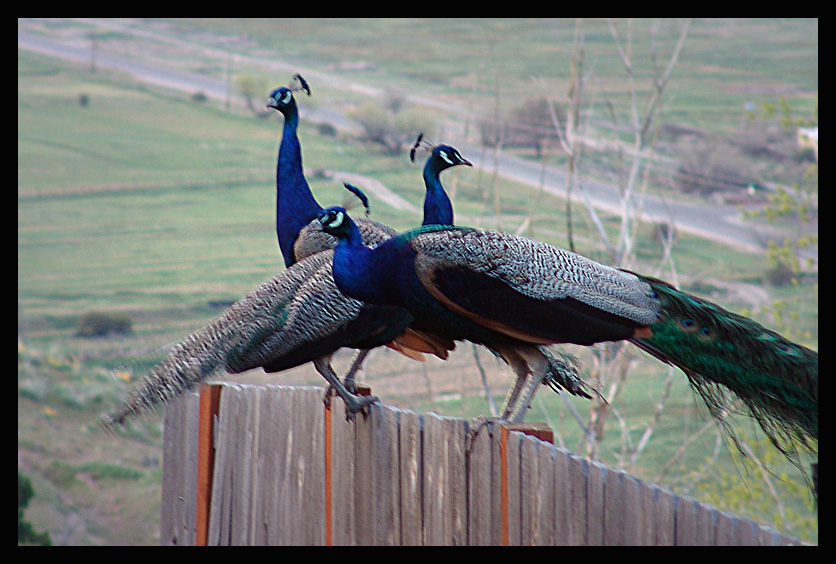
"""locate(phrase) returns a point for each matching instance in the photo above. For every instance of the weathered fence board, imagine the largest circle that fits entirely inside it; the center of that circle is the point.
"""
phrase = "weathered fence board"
(444, 481)
(484, 519)
(410, 479)
(344, 447)
(288, 471)
(177, 521)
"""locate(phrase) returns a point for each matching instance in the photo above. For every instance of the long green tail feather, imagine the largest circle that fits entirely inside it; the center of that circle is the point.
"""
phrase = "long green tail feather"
(721, 351)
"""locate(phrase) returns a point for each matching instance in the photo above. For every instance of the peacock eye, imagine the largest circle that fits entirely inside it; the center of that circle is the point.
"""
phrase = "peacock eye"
(444, 156)
(287, 97)
(335, 219)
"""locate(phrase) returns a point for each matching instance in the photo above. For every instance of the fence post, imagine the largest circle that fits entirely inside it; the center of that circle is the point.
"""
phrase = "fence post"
(210, 396)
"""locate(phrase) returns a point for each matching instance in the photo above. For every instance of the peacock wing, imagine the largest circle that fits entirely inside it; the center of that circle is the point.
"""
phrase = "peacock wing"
(530, 290)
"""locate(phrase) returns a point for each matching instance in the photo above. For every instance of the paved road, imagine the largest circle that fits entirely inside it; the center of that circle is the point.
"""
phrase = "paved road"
(713, 221)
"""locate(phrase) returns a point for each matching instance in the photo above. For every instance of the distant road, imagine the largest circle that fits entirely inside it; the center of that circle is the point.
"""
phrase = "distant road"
(717, 222)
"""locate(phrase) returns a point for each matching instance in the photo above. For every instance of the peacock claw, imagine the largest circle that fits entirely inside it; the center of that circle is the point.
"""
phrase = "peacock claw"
(358, 404)
(476, 424)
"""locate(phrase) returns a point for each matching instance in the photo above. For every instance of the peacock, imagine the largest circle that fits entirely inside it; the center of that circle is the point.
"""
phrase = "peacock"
(296, 206)
(562, 371)
(513, 294)
(438, 209)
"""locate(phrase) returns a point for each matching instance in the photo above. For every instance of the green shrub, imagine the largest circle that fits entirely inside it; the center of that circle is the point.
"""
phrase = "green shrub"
(25, 532)
(99, 324)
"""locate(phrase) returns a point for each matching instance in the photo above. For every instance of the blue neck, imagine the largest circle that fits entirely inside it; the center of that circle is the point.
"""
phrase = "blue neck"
(295, 204)
(368, 275)
(437, 206)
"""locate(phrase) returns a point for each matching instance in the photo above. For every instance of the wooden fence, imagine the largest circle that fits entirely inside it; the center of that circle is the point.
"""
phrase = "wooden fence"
(270, 465)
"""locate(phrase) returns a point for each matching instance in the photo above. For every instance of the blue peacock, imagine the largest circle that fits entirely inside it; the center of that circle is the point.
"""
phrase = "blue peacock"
(296, 207)
(513, 294)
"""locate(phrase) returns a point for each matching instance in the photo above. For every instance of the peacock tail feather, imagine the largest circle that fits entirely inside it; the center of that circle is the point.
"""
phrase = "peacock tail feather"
(723, 352)
(294, 318)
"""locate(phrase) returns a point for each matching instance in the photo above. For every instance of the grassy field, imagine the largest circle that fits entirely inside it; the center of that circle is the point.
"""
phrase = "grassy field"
(146, 204)
(725, 63)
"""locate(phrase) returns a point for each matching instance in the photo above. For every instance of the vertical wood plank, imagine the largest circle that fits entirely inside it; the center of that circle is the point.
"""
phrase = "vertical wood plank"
(536, 492)
(384, 492)
(725, 534)
(343, 473)
(576, 507)
(547, 496)
(647, 521)
(706, 524)
(272, 443)
(746, 532)
(484, 514)
(411, 456)
(597, 506)
(179, 494)
(311, 468)
(281, 443)
(241, 484)
(221, 500)
(513, 511)
(686, 522)
(562, 494)
(630, 528)
(666, 502)
(445, 481)
(288, 446)
(364, 461)
(328, 433)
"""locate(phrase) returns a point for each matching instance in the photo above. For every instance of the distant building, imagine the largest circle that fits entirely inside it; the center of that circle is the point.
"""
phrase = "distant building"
(808, 138)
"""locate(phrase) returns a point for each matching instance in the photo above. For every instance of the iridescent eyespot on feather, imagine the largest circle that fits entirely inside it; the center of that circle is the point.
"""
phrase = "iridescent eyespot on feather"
(688, 325)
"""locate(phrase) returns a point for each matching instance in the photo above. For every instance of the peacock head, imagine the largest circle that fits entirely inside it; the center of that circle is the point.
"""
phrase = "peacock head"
(282, 98)
(335, 221)
(441, 158)
(446, 156)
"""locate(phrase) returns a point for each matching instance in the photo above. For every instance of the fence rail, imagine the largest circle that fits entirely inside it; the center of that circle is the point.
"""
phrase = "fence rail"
(269, 465)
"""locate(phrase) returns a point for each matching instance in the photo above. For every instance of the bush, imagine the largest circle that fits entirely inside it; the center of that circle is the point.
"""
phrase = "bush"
(391, 131)
(99, 324)
(663, 232)
(327, 130)
(781, 274)
(25, 532)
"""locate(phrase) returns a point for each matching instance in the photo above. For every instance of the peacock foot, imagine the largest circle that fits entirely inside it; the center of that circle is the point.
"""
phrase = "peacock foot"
(357, 404)
(477, 424)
